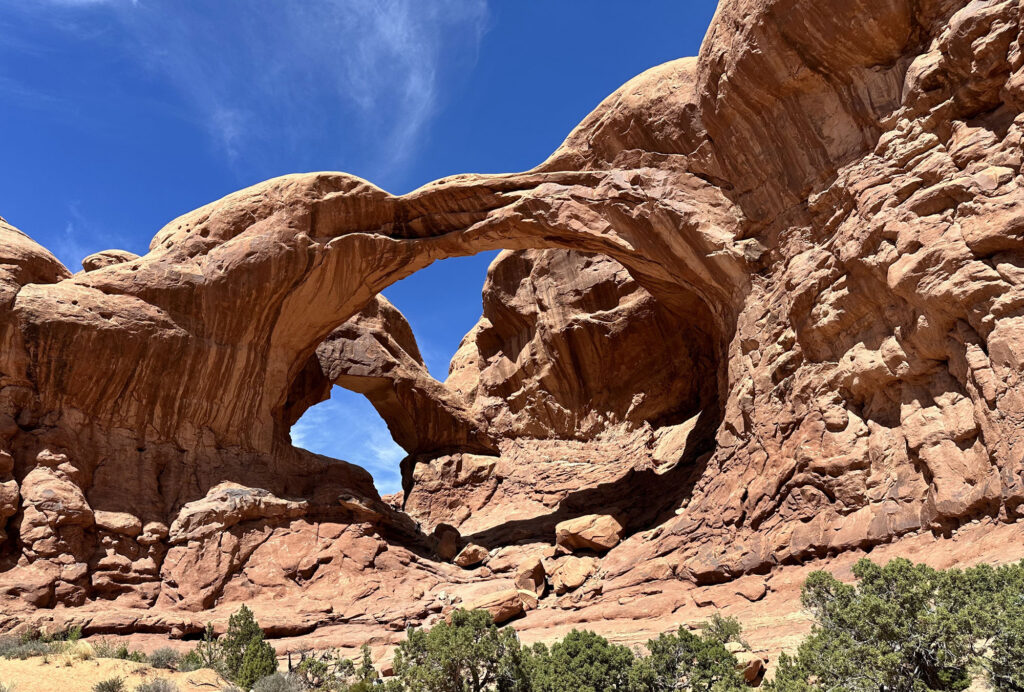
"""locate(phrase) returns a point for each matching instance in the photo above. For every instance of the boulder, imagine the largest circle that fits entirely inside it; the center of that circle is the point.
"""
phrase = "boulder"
(751, 588)
(153, 532)
(600, 532)
(571, 572)
(446, 541)
(531, 576)
(471, 555)
(118, 522)
(107, 258)
(502, 605)
(529, 599)
(752, 666)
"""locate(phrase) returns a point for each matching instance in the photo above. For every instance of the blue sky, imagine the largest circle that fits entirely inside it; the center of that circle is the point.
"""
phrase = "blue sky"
(121, 114)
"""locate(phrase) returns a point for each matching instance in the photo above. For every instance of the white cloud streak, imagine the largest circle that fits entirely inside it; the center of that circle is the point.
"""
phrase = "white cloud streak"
(270, 78)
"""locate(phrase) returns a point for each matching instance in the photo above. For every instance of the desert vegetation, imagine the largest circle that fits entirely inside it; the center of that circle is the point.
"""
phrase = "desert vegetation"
(470, 654)
(905, 627)
(900, 627)
(759, 313)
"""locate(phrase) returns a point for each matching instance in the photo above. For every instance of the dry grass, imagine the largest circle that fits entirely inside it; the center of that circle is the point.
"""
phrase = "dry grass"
(76, 669)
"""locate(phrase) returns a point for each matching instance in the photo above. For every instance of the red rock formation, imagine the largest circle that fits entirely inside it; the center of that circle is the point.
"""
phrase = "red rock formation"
(570, 346)
(804, 342)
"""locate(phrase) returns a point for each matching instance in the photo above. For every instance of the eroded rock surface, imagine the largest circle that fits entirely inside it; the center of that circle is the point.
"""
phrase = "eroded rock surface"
(570, 345)
(763, 306)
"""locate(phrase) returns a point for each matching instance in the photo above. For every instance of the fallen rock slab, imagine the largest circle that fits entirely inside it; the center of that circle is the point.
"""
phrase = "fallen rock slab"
(471, 555)
(502, 605)
(571, 572)
(600, 532)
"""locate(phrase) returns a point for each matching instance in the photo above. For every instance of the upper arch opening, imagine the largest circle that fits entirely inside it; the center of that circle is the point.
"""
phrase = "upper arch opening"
(569, 346)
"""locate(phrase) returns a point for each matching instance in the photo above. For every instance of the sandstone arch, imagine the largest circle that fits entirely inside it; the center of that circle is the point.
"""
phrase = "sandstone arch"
(339, 241)
(199, 314)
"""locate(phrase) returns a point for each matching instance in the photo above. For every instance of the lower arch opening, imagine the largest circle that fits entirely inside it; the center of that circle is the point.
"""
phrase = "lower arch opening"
(346, 426)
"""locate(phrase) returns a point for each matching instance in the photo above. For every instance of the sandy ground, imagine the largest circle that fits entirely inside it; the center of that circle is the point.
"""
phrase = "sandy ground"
(63, 674)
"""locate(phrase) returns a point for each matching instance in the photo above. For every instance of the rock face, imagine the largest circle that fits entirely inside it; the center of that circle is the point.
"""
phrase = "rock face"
(107, 258)
(561, 348)
(763, 306)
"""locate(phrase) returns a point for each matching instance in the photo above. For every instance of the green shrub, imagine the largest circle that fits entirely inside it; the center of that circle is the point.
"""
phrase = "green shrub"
(109, 685)
(325, 669)
(470, 654)
(71, 635)
(365, 673)
(158, 685)
(242, 630)
(906, 627)
(724, 630)
(206, 654)
(247, 657)
(164, 657)
(22, 648)
(279, 682)
(1007, 653)
(190, 662)
(684, 661)
(8, 645)
(104, 648)
(582, 661)
(259, 660)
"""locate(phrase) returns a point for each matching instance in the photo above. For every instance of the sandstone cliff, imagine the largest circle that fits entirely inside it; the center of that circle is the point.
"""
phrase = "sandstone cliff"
(763, 307)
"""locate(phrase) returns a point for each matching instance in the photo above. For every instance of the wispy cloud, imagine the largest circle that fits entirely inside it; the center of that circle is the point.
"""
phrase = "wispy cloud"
(363, 76)
(88, 3)
(346, 84)
(18, 92)
(347, 427)
(80, 238)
